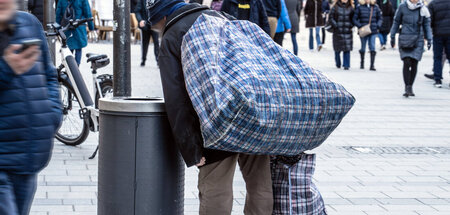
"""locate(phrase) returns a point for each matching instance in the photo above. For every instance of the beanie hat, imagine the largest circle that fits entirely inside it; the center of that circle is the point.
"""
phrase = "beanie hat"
(158, 9)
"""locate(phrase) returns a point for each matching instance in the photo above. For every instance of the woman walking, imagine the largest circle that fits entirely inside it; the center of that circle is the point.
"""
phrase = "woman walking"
(415, 20)
(294, 8)
(388, 16)
(283, 25)
(314, 19)
(367, 13)
(340, 17)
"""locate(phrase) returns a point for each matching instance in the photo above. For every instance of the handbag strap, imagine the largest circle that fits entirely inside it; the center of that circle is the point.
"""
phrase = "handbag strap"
(371, 13)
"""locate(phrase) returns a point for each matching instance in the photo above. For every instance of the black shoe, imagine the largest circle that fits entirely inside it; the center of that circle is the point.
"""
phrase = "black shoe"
(410, 91)
(143, 63)
(372, 60)
(407, 91)
(346, 68)
(338, 66)
(438, 83)
(362, 59)
(429, 76)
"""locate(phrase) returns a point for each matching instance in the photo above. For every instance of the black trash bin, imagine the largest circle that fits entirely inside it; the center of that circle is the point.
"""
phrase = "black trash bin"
(140, 171)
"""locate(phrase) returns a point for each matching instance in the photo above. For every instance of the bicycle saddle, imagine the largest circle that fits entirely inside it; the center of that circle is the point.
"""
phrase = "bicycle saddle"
(95, 57)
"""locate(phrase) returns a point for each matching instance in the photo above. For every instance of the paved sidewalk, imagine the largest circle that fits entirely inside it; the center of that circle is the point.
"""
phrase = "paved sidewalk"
(390, 155)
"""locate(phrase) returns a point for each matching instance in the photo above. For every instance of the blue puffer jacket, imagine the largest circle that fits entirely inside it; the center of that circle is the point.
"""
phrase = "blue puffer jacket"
(30, 109)
(284, 22)
(82, 11)
(362, 16)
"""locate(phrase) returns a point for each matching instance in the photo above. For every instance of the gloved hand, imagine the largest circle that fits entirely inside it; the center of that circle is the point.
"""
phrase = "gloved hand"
(392, 43)
(429, 44)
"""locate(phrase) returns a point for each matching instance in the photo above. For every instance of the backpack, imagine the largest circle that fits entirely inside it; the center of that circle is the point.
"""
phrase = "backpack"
(69, 14)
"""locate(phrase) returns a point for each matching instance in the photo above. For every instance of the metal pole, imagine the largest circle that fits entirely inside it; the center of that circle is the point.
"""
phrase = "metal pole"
(49, 17)
(122, 64)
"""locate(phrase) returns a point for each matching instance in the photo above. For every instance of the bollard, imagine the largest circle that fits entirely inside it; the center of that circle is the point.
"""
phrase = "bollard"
(140, 171)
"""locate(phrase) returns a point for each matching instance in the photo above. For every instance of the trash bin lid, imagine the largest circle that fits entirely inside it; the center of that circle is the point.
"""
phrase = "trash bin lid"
(133, 104)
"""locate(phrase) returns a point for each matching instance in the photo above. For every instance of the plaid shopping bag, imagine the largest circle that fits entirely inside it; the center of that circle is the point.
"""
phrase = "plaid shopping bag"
(293, 189)
(253, 96)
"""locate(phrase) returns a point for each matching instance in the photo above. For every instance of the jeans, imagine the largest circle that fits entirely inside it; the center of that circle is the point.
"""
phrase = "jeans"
(311, 38)
(440, 44)
(383, 38)
(371, 40)
(78, 54)
(294, 42)
(16, 193)
(346, 56)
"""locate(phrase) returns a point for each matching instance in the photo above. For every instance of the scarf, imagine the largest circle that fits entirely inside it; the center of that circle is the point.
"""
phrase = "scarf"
(423, 10)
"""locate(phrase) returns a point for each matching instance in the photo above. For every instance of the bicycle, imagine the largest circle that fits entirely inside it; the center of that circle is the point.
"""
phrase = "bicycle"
(80, 113)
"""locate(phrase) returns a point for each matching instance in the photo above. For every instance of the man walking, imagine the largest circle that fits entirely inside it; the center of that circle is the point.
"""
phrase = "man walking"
(216, 168)
(146, 32)
(273, 10)
(440, 23)
(30, 110)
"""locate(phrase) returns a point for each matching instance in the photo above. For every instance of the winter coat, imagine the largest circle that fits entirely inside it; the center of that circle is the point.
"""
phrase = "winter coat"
(409, 19)
(362, 16)
(257, 12)
(273, 8)
(313, 13)
(388, 14)
(325, 6)
(283, 22)
(440, 17)
(36, 7)
(183, 119)
(82, 9)
(294, 8)
(341, 20)
(141, 14)
(30, 109)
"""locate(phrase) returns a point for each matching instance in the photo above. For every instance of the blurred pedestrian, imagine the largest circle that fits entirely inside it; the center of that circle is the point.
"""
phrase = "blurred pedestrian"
(36, 7)
(251, 10)
(440, 23)
(146, 32)
(414, 18)
(29, 105)
(340, 17)
(368, 13)
(78, 39)
(216, 168)
(314, 20)
(273, 10)
(217, 5)
(388, 17)
(294, 8)
(325, 12)
(283, 25)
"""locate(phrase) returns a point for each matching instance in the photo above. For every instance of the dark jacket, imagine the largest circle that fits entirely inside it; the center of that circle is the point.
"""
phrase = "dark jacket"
(341, 16)
(440, 17)
(313, 13)
(257, 12)
(294, 9)
(82, 11)
(183, 119)
(30, 109)
(196, 1)
(36, 7)
(409, 20)
(388, 14)
(362, 16)
(273, 7)
(141, 13)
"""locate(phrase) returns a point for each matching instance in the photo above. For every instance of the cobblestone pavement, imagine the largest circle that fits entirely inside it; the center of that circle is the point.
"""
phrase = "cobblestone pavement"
(390, 155)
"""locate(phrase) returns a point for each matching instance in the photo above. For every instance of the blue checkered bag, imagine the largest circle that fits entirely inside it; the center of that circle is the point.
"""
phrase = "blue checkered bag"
(293, 189)
(253, 96)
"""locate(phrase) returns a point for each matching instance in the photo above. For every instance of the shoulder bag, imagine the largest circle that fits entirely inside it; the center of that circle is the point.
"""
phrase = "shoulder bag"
(365, 30)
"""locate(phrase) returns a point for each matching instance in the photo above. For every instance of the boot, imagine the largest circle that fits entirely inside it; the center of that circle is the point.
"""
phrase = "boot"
(362, 59)
(410, 91)
(407, 88)
(372, 60)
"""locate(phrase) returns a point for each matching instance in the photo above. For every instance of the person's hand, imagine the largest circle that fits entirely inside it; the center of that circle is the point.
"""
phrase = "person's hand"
(202, 162)
(429, 45)
(21, 62)
(288, 30)
(142, 24)
(392, 43)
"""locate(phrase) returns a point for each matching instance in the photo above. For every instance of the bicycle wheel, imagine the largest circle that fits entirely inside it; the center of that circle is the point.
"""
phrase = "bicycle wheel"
(107, 91)
(73, 130)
